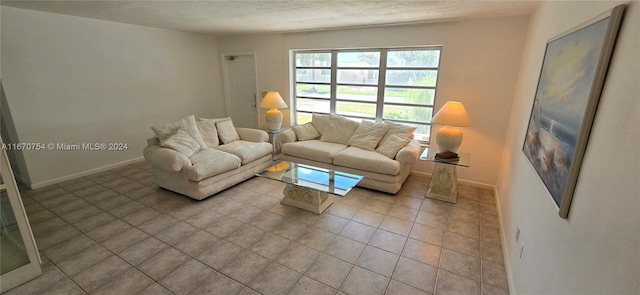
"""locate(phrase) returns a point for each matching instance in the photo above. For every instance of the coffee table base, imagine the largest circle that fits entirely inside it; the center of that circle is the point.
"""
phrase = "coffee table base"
(306, 199)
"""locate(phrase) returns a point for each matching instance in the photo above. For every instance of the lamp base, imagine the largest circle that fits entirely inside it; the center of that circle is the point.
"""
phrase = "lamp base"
(449, 139)
(274, 119)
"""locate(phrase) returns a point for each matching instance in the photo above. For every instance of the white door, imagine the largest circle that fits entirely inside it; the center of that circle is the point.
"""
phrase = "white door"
(241, 83)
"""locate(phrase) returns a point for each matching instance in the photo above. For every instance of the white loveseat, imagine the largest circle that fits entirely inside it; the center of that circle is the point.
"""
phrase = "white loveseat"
(383, 153)
(200, 158)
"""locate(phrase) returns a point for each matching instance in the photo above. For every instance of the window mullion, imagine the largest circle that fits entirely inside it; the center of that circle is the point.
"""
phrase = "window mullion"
(334, 81)
(382, 75)
(295, 88)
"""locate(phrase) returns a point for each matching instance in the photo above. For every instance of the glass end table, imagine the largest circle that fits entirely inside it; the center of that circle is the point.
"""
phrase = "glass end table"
(444, 180)
(273, 135)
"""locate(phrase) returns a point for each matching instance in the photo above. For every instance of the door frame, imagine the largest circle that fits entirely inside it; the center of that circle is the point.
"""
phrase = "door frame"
(225, 76)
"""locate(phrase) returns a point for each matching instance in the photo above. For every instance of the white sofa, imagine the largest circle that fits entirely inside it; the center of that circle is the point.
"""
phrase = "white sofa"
(383, 170)
(215, 166)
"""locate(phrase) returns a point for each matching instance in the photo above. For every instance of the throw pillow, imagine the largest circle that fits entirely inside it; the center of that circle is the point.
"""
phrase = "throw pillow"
(306, 132)
(339, 130)
(226, 131)
(187, 124)
(392, 146)
(398, 129)
(368, 135)
(181, 142)
(165, 130)
(320, 121)
(207, 128)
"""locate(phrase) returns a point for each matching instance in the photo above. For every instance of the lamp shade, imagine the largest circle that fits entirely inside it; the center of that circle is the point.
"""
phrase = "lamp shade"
(453, 114)
(273, 100)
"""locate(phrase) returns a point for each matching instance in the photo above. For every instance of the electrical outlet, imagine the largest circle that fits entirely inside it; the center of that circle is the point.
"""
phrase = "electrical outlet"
(517, 234)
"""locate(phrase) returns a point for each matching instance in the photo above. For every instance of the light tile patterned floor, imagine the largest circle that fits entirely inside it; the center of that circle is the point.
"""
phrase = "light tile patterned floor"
(117, 233)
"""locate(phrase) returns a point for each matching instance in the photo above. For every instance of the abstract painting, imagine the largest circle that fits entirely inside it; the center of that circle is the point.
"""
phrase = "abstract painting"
(571, 80)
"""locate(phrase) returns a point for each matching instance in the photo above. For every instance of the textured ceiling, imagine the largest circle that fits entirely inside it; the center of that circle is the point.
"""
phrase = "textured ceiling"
(243, 17)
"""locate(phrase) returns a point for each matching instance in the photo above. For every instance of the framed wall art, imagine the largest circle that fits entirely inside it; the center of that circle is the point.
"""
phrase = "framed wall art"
(571, 80)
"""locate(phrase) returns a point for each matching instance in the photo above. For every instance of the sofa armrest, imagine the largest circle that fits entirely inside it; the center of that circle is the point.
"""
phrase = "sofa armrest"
(165, 158)
(410, 153)
(285, 137)
(251, 134)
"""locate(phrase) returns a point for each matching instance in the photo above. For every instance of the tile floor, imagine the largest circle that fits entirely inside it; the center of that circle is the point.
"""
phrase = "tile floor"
(117, 233)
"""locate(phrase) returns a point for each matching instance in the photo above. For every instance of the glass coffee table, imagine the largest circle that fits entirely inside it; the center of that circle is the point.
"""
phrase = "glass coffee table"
(308, 187)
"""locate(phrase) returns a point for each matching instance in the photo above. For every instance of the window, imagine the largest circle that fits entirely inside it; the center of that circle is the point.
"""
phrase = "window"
(397, 84)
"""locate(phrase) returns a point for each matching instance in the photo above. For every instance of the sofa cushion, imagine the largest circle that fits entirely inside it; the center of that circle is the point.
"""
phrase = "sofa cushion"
(314, 149)
(163, 131)
(211, 162)
(207, 128)
(390, 147)
(320, 121)
(188, 124)
(247, 151)
(305, 131)
(368, 135)
(358, 158)
(399, 130)
(339, 130)
(252, 134)
(181, 142)
(226, 131)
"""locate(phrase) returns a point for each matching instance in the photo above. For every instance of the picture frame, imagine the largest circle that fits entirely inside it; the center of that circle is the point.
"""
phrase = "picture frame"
(569, 86)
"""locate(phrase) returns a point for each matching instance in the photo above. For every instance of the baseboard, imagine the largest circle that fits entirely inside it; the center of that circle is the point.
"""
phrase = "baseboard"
(84, 173)
(505, 249)
(477, 184)
(420, 174)
(461, 181)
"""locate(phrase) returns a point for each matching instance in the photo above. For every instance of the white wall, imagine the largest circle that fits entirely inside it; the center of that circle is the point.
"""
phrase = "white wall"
(77, 80)
(597, 249)
(479, 66)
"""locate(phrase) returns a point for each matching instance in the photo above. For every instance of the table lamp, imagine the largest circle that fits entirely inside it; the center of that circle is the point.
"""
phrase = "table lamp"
(273, 101)
(452, 115)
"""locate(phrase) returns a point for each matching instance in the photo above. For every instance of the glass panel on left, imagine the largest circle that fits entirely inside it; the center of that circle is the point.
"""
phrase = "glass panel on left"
(313, 90)
(409, 113)
(314, 59)
(409, 95)
(424, 78)
(356, 109)
(313, 105)
(13, 253)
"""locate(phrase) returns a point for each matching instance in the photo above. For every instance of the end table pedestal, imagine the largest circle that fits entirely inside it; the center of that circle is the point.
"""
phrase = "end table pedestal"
(444, 180)
(444, 183)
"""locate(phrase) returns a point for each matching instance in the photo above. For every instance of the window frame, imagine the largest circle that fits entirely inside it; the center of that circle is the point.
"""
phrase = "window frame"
(381, 84)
